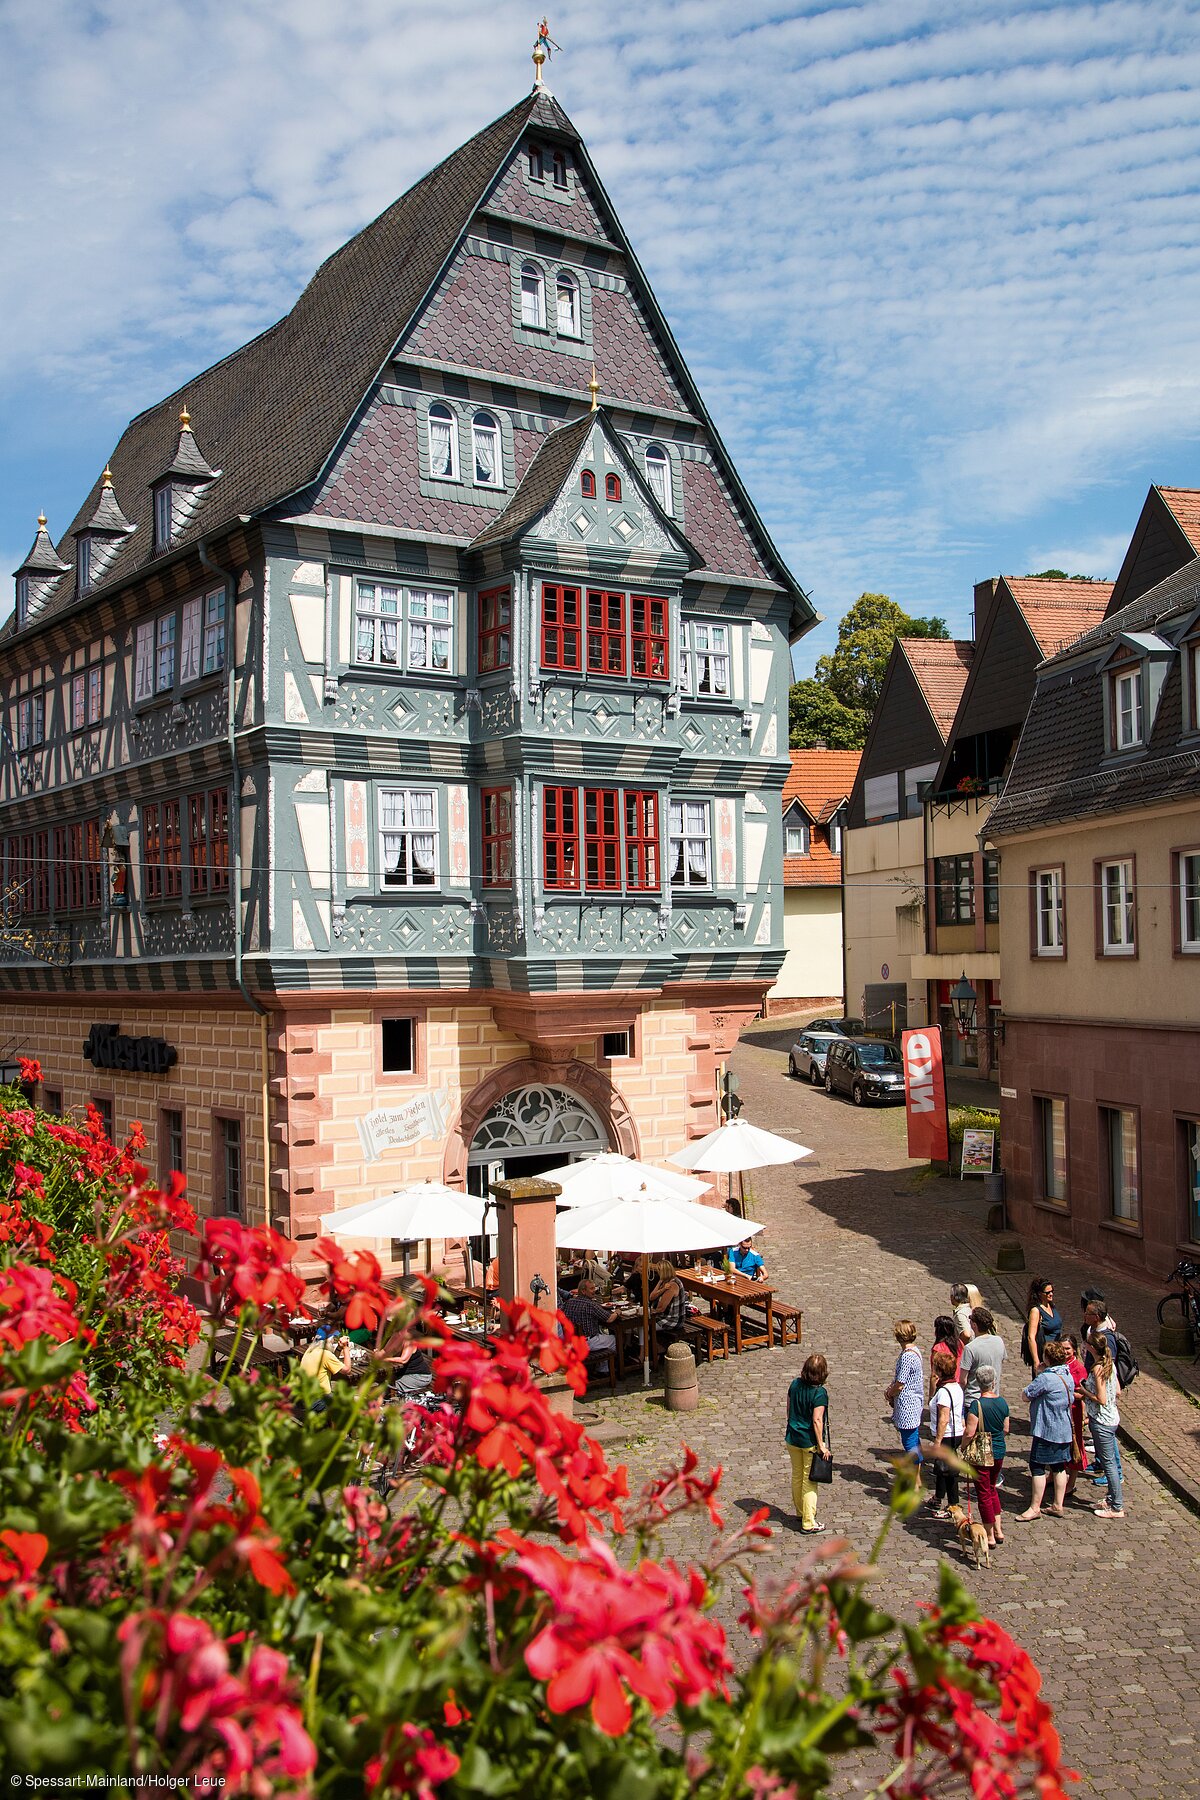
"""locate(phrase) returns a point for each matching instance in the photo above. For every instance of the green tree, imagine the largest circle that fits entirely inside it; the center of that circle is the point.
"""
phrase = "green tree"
(834, 705)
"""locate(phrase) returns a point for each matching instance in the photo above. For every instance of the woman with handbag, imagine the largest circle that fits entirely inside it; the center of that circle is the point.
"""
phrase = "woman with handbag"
(1051, 1394)
(808, 1439)
(985, 1440)
(946, 1424)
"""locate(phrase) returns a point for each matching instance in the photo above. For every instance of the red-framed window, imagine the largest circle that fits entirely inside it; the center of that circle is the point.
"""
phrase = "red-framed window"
(605, 633)
(560, 838)
(198, 843)
(172, 851)
(602, 839)
(641, 841)
(562, 638)
(61, 864)
(41, 872)
(93, 865)
(587, 484)
(497, 832)
(152, 867)
(612, 487)
(648, 637)
(495, 630)
(218, 840)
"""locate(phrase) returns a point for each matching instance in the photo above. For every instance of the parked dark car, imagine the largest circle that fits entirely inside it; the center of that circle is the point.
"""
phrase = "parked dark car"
(866, 1069)
(806, 1058)
(838, 1027)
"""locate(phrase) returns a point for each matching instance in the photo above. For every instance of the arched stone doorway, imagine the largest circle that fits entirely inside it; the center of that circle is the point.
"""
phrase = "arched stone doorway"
(528, 1117)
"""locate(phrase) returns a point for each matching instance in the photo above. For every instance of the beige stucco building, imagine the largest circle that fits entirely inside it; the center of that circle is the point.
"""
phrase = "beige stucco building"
(815, 800)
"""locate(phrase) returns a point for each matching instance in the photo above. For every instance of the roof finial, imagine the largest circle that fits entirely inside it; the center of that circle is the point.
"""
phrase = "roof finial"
(185, 418)
(544, 47)
(107, 476)
(594, 389)
(41, 521)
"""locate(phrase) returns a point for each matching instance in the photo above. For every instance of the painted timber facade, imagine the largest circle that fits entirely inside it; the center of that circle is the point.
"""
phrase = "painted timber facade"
(396, 732)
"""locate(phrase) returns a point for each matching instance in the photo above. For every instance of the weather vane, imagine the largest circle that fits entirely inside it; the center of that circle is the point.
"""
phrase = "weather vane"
(543, 49)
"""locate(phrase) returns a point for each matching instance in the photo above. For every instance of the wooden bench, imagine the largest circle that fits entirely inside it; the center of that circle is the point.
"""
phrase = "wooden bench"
(708, 1330)
(790, 1321)
(596, 1363)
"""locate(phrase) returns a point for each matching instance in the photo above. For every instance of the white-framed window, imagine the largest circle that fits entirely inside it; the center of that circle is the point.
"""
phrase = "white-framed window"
(164, 658)
(79, 701)
(83, 563)
(1119, 1129)
(533, 297)
(189, 641)
(835, 837)
(1128, 718)
(443, 443)
(689, 846)
(658, 475)
(164, 515)
(214, 631)
(1189, 900)
(1192, 653)
(143, 661)
(22, 600)
(558, 165)
(31, 721)
(705, 659)
(1118, 919)
(404, 628)
(537, 167)
(796, 840)
(408, 837)
(1049, 934)
(485, 448)
(566, 304)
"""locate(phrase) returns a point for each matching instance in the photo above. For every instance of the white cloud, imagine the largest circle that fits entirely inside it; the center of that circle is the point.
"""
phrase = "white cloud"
(937, 269)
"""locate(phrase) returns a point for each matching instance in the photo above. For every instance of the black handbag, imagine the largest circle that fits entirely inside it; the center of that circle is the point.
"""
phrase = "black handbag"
(820, 1470)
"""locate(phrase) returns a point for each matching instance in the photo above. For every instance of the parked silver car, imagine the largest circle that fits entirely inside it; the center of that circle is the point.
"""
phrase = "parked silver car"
(806, 1058)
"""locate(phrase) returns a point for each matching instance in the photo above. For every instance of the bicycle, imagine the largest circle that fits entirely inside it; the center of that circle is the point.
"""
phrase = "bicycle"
(1182, 1305)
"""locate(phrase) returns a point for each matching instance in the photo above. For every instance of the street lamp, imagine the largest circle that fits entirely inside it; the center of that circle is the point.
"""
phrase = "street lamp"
(962, 999)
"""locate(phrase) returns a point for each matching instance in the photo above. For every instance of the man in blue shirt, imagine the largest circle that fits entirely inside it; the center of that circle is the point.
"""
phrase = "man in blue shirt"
(747, 1261)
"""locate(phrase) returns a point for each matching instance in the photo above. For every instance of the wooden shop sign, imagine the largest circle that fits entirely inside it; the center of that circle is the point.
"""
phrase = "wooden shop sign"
(106, 1047)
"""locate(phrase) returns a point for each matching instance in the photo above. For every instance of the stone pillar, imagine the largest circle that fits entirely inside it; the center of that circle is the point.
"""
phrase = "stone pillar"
(525, 1231)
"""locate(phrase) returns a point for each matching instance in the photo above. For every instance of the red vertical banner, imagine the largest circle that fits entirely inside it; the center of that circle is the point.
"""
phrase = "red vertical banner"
(925, 1094)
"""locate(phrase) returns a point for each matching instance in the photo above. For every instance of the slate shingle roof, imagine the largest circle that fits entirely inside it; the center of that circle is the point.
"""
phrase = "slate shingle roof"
(543, 480)
(941, 667)
(820, 780)
(43, 558)
(1057, 612)
(1060, 772)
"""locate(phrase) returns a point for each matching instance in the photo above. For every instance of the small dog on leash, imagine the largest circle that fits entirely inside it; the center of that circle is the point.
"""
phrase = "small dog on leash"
(972, 1537)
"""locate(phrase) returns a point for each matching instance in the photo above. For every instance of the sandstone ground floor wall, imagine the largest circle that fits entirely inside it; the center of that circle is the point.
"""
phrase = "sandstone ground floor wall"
(218, 1074)
(1094, 1070)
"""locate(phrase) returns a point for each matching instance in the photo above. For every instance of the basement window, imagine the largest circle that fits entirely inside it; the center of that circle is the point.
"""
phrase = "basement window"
(616, 1046)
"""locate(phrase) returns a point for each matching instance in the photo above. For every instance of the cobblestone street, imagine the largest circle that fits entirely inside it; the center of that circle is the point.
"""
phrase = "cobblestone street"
(856, 1240)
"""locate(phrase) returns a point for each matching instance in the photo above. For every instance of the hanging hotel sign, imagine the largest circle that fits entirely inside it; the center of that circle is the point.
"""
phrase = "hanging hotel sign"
(106, 1047)
(389, 1127)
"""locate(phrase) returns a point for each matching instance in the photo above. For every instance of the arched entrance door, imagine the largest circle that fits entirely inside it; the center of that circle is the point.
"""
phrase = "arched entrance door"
(531, 1129)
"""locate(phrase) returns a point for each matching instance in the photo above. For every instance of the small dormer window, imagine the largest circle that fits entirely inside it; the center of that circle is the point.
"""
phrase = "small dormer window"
(443, 443)
(567, 302)
(559, 169)
(612, 487)
(797, 838)
(1128, 716)
(658, 475)
(485, 440)
(537, 163)
(533, 298)
(164, 515)
(83, 564)
(587, 484)
(22, 600)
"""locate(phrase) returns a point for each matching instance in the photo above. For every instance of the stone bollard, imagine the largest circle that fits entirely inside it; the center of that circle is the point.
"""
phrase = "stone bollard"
(1175, 1339)
(1010, 1255)
(681, 1388)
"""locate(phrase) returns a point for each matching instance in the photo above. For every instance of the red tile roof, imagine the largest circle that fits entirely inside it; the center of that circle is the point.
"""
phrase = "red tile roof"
(1185, 505)
(820, 780)
(941, 666)
(1057, 612)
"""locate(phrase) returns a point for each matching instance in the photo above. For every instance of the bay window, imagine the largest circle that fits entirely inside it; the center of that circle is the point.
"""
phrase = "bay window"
(605, 633)
(620, 840)
(497, 836)
(561, 640)
(648, 637)
(408, 837)
(494, 634)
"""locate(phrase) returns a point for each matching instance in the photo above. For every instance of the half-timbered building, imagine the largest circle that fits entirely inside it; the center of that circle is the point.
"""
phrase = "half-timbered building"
(393, 740)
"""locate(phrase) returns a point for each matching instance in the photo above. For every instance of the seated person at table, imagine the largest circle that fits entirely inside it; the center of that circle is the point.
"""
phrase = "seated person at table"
(746, 1260)
(325, 1358)
(668, 1304)
(410, 1367)
(590, 1319)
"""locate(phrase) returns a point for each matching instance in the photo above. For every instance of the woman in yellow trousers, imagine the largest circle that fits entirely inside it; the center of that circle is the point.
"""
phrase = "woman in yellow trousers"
(808, 1410)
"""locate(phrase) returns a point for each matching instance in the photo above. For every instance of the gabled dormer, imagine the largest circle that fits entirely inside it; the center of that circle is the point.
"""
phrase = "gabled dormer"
(178, 488)
(1134, 672)
(97, 541)
(37, 574)
(1186, 634)
(797, 829)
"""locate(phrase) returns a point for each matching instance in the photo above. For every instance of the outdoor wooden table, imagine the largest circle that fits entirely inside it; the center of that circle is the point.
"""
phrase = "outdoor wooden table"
(734, 1293)
(626, 1321)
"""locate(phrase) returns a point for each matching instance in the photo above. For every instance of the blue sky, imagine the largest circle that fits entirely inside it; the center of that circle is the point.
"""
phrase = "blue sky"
(936, 268)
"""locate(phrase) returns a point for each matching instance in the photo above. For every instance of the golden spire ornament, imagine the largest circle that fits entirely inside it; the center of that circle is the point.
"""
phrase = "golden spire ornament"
(543, 48)
(107, 476)
(594, 390)
(41, 521)
(185, 418)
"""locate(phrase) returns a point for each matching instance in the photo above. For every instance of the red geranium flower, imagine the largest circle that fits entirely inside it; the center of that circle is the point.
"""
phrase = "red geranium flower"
(357, 1279)
(31, 1069)
(411, 1762)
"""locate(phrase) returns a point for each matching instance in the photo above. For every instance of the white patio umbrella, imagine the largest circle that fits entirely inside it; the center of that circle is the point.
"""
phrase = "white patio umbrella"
(426, 1209)
(737, 1146)
(609, 1176)
(640, 1225)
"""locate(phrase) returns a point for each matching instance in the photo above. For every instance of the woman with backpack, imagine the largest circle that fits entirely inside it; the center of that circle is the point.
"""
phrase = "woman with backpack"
(1050, 1394)
(1042, 1323)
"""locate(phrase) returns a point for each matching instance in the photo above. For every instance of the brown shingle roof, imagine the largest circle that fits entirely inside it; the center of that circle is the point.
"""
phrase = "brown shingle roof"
(820, 780)
(1185, 505)
(940, 667)
(1057, 612)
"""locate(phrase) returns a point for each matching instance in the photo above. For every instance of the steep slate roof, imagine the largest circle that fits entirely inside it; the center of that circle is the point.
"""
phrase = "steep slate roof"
(1057, 612)
(1059, 771)
(820, 780)
(272, 413)
(941, 666)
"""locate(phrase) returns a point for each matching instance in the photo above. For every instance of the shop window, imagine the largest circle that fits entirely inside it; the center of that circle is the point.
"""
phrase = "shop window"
(1049, 921)
(170, 1143)
(615, 1046)
(497, 836)
(398, 1046)
(1118, 911)
(954, 886)
(689, 847)
(605, 633)
(1119, 1163)
(1050, 1125)
(561, 636)
(408, 837)
(229, 1194)
(1189, 1145)
(494, 637)
(648, 637)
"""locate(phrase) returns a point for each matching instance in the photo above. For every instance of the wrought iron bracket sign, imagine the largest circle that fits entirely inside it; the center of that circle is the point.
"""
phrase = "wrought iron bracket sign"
(106, 1047)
